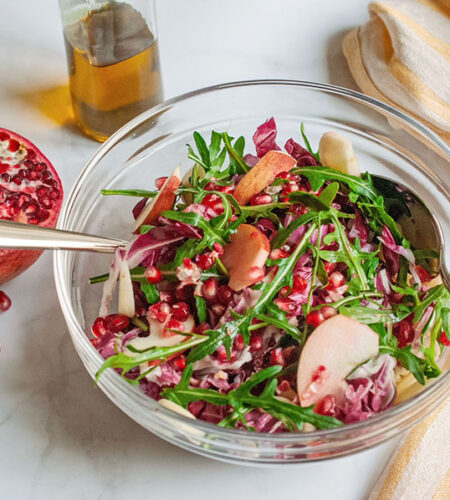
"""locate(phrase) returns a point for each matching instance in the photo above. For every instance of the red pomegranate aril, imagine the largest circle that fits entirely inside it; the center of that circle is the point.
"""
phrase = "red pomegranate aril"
(99, 327)
(182, 293)
(4, 136)
(315, 318)
(284, 291)
(329, 266)
(299, 283)
(292, 187)
(13, 145)
(202, 327)
(115, 323)
(328, 311)
(326, 406)
(160, 311)
(283, 175)
(423, 274)
(261, 199)
(256, 342)
(278, 253)
(238, 342)
(210, 288)
(276, 357)
(218, 248)
(205, 261)
(286, 305)
(187, 263)
(95, 342)
(153, 275)
(443, 339)
(180, 311)
(227, 189)
(180, 363)
(159, 182)
(211, 186)
(336, 279)
(225, 295)
(5, 301)
(173, 324)
(222, 354)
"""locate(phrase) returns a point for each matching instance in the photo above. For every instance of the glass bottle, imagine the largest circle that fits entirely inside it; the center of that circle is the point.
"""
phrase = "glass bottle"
(113, 60)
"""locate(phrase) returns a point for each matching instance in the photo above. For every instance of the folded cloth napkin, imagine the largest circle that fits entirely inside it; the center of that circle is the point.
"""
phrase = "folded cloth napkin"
(402, 57)
(419, 468)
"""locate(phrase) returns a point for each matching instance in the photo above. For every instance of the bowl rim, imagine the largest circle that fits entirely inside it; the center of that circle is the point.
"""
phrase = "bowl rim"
(64, 297)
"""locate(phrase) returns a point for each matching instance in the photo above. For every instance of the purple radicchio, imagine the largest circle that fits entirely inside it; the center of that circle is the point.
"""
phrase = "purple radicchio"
(265, 137)
(303, 156)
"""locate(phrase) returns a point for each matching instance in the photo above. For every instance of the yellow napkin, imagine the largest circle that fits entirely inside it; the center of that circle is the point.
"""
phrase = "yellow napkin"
(419, 468)
(402, 57)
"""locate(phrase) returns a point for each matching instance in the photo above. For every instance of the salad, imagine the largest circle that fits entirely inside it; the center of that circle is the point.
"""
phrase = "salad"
(272, 291)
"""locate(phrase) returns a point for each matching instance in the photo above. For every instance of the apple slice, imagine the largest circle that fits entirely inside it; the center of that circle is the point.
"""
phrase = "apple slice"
(336, 151)
(162, 201)
(126, 294)
(186, 182)
(332, 351)
(262, 175)
(245, 255)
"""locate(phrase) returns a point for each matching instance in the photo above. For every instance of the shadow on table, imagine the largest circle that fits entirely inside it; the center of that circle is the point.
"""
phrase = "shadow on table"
(338, 72)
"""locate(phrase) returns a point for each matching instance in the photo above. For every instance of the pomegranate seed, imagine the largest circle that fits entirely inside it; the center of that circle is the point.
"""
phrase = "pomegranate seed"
(315, 318)
(218, 248)
(211, 186)
(5, 302)
(218, 309)
(284, 292)
(167, 296)
(261, 199)
(159, 182)
(182, 293)
(300, 283)
(187, 263)
(444, 340)
(329, 266)
(180, 363)
(336, 279)
(238, 343)
(278, 253)
(328, 311)
(222, 354)
(210, 288)
(255, 274)
(205, 261)
(292, 187)
(180, 311)
(202, 327)
(160, 311)
(326, 406)
(276, 357)
(115, 323)
(173, 324)
(225, 295)
(99, 327)
(13, 145)
(424, 275)
(4, 136)
(227, 189)
(256, 342)
(95, 342)
(404, 332)
(283, 175)
(286, 305)
(153, 275)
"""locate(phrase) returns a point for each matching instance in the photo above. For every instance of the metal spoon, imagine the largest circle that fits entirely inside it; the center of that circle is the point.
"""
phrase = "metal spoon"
(420, 227)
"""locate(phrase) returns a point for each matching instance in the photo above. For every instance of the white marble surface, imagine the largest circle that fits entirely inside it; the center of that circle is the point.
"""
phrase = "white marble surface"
(59, 435)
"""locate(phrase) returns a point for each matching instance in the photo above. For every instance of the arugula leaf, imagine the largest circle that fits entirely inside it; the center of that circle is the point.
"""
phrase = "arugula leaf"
(236, 154)
(242, 400)
(140, 193)
(307, 144)
(150, 291)
(200, 305)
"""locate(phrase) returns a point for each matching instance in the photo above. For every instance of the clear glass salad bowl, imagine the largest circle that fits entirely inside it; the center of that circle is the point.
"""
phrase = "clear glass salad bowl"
(387, 142)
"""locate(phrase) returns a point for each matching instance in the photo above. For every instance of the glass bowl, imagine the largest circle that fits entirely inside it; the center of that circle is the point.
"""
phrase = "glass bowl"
(387, 143)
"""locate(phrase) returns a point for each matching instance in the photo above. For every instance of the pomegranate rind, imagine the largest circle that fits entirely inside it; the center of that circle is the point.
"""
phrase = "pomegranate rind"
(15, 262)
(262, 175)
(248, 250)
(161, 202)
(333, 350)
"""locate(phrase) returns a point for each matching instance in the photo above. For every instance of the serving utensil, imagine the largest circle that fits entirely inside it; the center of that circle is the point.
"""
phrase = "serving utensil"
(419, 226)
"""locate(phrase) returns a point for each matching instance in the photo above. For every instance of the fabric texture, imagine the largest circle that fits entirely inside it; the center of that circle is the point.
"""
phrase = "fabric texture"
(402, 57)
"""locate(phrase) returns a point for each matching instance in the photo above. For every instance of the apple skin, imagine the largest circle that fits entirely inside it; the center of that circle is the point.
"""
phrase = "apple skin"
(262, 175)
(336, 151)
(248, 250)
(161, 202)
(332, 351)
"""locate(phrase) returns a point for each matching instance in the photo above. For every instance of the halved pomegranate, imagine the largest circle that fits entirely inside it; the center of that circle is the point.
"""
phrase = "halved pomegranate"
(30, 192)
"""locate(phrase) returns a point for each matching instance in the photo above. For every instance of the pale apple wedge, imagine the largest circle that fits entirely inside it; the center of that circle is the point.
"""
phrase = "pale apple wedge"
(262, 175)
(170, 405)
(161, 202)
(126, 296)
(246, 253)
(332, 351)
(336, 151)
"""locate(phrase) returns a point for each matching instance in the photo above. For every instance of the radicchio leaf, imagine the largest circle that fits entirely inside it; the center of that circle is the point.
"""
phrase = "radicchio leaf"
(265, 137)
(303, 156)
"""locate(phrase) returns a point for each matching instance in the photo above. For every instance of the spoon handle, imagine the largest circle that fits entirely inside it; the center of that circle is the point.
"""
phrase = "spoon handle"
(26, 236)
